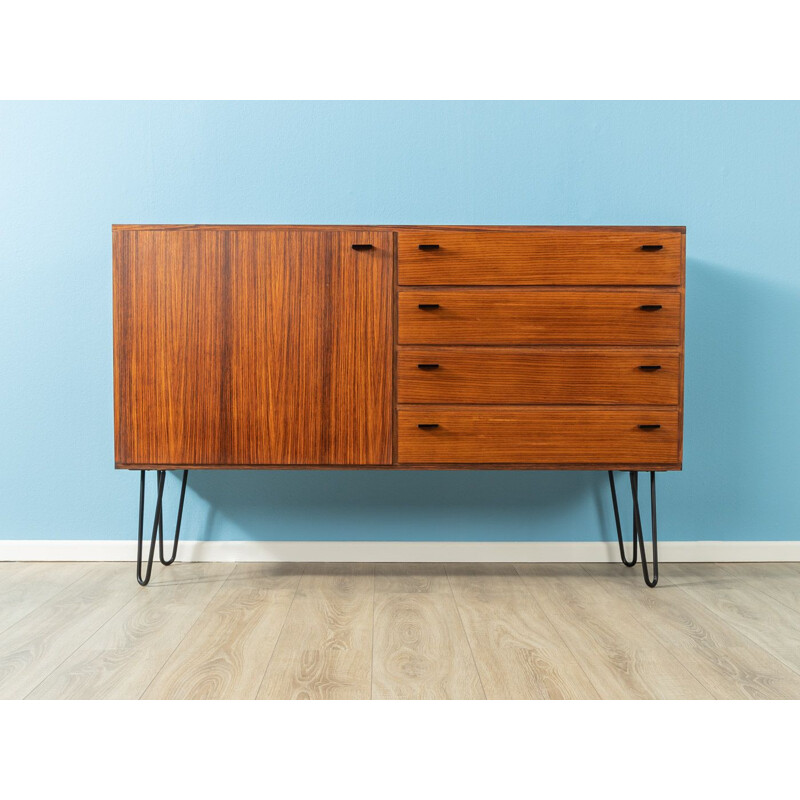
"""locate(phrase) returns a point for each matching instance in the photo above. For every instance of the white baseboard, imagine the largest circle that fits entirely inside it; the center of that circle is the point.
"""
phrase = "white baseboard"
(74, 550)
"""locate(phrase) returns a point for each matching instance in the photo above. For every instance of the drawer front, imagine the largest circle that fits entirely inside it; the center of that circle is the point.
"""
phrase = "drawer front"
(520, 375)
(531, 316)
(492, 435)
(557, 258)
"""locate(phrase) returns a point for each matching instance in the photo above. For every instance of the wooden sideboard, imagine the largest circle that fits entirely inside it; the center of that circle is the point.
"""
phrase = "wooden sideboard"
(407, 347)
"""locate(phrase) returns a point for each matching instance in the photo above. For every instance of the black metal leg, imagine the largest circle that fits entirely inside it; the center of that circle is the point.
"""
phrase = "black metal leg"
(632, 562)
(166, 563)
(158, 525)
(638, 534)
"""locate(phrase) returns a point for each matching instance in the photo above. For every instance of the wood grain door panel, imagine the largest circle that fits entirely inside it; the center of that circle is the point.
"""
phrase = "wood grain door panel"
(567, 257)
(252, 346)
(520, 435)
(521, 375)
(539, 316)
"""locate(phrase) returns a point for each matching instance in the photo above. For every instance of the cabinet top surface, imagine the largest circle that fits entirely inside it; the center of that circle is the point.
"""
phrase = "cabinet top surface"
(621, 228)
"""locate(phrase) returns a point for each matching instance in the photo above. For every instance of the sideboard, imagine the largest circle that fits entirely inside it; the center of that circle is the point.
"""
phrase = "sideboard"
(398, 347)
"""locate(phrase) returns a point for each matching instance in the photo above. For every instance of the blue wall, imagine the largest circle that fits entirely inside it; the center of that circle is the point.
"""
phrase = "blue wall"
(730, 172)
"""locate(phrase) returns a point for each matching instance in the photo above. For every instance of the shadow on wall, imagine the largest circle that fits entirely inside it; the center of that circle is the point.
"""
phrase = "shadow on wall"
(741, 426)
(364, 505)
(738, 421)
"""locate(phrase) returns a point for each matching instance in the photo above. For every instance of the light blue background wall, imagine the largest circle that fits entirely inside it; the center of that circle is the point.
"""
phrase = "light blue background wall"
(730, 172)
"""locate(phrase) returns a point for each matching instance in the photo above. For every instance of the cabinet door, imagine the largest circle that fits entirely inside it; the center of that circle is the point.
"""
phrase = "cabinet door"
(248, 347)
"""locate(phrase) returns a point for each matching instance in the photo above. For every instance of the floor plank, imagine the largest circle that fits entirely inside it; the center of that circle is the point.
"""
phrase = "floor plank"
(780, 581)
(25, 587)
(407, 578)
(518, 652)
(226, 651)
(46, 637)
(126, 653)
(726, 662)
(618, 654)
(420, 650)
(325, 648)
(743, 607)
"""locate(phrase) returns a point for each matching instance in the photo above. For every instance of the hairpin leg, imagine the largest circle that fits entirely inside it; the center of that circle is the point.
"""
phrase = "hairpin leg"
(638, 534)
(158, 526)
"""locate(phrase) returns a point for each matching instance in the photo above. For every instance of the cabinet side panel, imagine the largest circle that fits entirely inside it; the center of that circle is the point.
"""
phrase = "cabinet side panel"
(169, 358)
(683, 346)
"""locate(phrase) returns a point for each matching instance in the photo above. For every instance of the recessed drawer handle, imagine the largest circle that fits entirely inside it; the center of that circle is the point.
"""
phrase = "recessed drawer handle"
(427, 366)
(428, 306)
(649, 367)
(649, 427)
(429, 247)
(651, 248)
(651, 308)
(428, 425)
(362, 247)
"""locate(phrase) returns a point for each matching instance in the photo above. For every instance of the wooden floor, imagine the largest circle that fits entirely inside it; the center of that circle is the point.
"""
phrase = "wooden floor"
(399, 631)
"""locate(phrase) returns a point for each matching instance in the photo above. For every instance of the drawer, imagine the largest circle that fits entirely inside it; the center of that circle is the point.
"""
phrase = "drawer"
(539, 316)
(545, 257)
(551, 436)
(521, 375)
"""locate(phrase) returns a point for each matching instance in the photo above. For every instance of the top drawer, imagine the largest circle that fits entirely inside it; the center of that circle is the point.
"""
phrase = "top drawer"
(566, 257)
